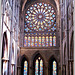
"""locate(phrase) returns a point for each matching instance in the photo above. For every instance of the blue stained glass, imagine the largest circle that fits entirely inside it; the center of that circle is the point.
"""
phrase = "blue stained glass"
(35, 5)
(52, 11)
(54, 68)
(36, 41)
(52, 20)
(25, 25)
(53, 15)
(40, 29)
(53, 29)
(29, 38)
(26, 29)
(54, 24)
(25, 67)
(28, 12)
(45, 7)
(30, 30)
(31, 11)
(30, 25)
(49, 24)
(28, 21)
(43, 41)
(40, 4)
(54, 41)
(31, 8)
(49, 7)
(26, 16)
(49, 10)
(45, 4)
(25, 22)
(45, 27)
(46, 40)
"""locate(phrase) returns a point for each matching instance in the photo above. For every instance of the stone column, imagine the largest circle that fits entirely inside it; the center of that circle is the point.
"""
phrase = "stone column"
(46, 69)
(31, 68)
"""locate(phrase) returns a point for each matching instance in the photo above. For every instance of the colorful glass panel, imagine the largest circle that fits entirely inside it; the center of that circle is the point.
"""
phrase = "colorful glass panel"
(36, 67)
(54, 68)
(39, 41)
(46, 40)
(36, 41)
(40, 18)
(32, 41)
(25, 68)
(54, 41)
(39, 14)
(39, 66)
(50, 40)
(29, 41)
(25, 41)
(43, 41)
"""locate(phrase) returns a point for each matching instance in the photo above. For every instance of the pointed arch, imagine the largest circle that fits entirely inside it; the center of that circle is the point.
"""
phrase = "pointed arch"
(71, 47)
(38, 64)
(4, 45)
(24, 65)
(72, 53)
(5, 54)
(53, 66)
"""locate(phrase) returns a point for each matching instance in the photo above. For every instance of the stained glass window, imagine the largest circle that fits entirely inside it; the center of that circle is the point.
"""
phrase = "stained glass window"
(25, 67)
(32, 41)
(43, 41)
(36, 41)
(39, 66)
(25, 41)
(50, 40)
(29, 41)
(39, 41)
(54, 68)
(40, 25)
(46, 40)
(54, 41)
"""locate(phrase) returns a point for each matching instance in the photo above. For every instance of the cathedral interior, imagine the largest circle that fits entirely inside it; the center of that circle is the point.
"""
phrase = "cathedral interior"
(37, 37)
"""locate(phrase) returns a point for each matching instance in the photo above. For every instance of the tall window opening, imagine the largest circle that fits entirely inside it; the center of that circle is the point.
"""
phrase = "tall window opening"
(53, 67)
(25, 68)
(38, 66)
(40, 25)
(24, 64)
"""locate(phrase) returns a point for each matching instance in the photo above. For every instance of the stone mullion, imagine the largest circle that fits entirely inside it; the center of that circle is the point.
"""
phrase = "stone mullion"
(38, 67)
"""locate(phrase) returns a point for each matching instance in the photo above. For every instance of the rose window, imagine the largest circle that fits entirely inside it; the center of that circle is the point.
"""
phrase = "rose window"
(40, 25)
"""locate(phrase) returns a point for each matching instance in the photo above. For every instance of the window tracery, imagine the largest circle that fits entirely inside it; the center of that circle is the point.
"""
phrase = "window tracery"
(39, 66)
(40, 26)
